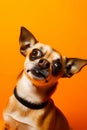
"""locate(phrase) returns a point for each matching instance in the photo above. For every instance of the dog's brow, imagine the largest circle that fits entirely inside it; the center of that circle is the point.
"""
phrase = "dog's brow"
(41, 48)
(49, 54)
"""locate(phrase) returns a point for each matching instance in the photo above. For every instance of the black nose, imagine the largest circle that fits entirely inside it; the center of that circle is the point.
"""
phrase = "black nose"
(44, 64)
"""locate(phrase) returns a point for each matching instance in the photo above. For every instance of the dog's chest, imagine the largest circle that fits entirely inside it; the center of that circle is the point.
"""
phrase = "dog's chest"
(27, 116)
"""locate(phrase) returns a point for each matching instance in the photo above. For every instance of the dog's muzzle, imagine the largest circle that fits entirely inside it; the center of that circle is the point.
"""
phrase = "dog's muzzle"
(41, 70)
(39, 73)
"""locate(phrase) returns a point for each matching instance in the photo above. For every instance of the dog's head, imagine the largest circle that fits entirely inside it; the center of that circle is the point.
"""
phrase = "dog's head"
(44, 65)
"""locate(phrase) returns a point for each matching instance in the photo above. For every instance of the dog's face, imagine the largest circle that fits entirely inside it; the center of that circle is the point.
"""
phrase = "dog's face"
(43, 65)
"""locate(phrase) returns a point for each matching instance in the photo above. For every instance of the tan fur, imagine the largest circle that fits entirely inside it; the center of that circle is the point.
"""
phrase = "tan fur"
(18, 117)
(36, 83)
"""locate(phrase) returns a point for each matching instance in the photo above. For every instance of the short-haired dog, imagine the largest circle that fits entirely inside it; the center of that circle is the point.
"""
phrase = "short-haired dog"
(31, 107)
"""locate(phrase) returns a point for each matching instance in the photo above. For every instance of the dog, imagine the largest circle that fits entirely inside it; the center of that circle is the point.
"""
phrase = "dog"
(31, 107)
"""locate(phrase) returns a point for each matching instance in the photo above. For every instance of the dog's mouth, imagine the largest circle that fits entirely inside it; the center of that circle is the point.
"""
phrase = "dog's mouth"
(39, 73)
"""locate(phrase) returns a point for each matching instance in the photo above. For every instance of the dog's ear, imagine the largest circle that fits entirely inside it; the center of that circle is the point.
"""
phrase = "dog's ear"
(72, 66)
(26, 40)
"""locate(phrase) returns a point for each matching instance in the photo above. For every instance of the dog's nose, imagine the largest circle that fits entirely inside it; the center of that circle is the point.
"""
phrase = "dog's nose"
(44, 64)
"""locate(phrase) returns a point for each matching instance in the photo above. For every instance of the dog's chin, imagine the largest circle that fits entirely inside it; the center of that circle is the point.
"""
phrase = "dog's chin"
(41, 81)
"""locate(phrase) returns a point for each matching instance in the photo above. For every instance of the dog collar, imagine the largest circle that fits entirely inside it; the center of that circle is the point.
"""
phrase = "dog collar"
(29, 104)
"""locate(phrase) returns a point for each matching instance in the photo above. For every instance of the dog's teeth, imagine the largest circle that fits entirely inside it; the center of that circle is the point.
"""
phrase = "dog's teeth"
(37, 71)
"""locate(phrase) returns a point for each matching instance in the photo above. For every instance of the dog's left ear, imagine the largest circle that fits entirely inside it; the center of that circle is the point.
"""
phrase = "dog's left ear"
(26, 40)
(72, 66)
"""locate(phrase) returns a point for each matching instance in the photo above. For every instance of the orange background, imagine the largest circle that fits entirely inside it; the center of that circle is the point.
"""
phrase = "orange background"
(59, 23)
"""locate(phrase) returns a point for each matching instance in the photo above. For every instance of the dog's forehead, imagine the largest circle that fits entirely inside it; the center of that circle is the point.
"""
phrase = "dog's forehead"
(48, 50)
(42, 47)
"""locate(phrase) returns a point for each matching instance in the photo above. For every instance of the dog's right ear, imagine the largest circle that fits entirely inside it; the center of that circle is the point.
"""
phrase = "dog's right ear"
(26, 40)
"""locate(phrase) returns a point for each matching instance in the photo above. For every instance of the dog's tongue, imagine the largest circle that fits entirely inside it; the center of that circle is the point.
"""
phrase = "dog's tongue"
(44, 73)
(40, 73)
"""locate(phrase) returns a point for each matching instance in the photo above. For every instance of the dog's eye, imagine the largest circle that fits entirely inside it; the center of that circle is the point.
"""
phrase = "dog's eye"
(35, 54)
(56, 67)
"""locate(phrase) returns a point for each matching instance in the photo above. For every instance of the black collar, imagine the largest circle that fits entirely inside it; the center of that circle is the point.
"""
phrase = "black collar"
(29, 104)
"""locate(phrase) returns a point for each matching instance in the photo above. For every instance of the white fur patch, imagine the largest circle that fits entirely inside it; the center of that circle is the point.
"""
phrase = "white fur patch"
(28, 91)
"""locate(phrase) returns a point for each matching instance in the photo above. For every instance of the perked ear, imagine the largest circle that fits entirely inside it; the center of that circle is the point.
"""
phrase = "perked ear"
(26, 40)
(72, 66)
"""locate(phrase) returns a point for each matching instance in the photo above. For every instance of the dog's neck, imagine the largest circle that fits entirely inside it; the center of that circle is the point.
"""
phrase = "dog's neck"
(31, 93)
